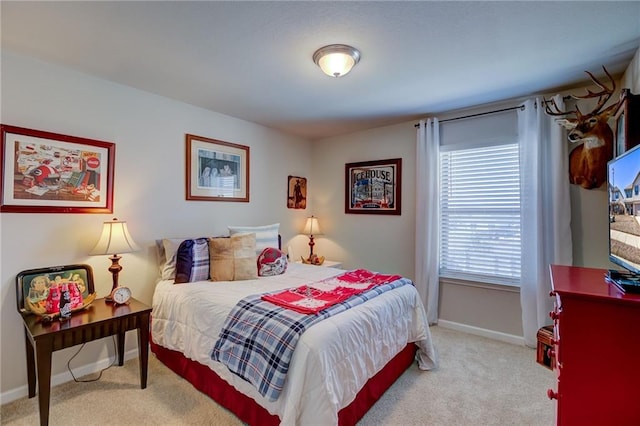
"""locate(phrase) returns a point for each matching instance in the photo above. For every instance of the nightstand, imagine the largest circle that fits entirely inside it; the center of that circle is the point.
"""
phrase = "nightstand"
(328, 264)
(98, 320)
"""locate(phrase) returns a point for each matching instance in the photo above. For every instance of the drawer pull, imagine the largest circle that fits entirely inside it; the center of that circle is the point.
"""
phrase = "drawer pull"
(552, 394)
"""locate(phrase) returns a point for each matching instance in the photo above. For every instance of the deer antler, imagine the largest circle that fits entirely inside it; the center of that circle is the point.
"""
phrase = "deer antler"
(556, 111)
(604, 95)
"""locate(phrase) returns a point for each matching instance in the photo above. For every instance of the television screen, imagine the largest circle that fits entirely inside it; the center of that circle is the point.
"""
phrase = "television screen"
(624, 210)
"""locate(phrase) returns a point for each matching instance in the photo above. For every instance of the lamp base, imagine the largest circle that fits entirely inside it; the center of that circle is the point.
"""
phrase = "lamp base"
(313, 260)
(115, 269)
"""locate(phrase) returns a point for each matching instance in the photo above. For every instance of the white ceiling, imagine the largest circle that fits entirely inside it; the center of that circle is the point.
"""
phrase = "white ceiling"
(252, 60)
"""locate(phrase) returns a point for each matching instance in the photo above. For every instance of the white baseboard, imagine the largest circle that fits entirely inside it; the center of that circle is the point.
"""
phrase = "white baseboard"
(491, 334)
(64, 377)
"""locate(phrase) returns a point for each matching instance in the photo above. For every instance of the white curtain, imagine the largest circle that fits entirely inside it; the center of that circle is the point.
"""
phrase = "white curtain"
(546, 211)
(427, 215)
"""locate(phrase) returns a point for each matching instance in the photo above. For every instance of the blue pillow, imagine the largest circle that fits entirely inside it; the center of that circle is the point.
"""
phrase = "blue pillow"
(192, 261)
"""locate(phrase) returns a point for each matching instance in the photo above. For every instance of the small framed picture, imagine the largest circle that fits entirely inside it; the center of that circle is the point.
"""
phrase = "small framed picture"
(373, 187)
(296, 192)
(44, 172)
(217, 170)
(627, 128)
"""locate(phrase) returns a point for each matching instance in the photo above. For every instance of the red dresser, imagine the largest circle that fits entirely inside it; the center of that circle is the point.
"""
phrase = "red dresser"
(597, 349)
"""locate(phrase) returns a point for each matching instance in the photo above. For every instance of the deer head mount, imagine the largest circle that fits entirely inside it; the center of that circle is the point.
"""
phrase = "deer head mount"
(588, 161)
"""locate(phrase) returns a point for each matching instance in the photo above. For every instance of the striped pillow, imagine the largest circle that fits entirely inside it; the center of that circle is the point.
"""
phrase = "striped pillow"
(192, 261)
(266, 236)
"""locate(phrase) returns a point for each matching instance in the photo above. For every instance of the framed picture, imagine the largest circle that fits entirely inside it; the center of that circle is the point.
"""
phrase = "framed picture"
(627, 119)
(373, 187)
(217, 170)
(33, 286)
(44, 172)
(296, 192)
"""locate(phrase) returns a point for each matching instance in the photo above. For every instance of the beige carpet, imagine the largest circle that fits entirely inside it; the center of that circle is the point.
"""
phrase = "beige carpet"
(479, 382)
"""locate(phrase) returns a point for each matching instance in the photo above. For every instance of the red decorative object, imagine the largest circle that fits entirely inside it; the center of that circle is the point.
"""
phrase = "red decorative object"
(53, 300)
(545, 355)
(597, 347)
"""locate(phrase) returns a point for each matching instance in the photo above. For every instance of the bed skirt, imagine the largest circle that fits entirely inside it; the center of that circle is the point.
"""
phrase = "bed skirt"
(248, 411)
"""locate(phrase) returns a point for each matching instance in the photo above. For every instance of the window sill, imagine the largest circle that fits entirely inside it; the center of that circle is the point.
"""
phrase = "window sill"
(476, 284)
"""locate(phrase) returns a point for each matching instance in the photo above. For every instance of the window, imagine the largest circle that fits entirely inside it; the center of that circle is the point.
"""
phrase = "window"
(480, 235)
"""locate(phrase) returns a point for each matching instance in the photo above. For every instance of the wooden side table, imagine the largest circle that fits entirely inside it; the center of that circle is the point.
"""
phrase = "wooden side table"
(99, 320)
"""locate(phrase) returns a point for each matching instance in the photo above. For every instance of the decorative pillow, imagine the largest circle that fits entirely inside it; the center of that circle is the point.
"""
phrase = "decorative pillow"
(167, 249)
(266, 236)
(233, 258)
(192, 261)
(272, 262)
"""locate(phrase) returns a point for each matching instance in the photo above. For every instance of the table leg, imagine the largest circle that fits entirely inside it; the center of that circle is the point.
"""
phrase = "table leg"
(143, 349)
(120, 347)
(44, 348)
(31, 366)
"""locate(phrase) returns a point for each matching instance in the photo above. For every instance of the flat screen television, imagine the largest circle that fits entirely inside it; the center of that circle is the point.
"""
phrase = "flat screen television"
(624, 210)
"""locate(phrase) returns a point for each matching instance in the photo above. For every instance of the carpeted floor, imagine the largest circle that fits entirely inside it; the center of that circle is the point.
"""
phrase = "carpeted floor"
(479, 382)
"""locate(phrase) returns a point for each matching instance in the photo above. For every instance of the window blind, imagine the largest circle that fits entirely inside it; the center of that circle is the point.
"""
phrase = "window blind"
(480, 231)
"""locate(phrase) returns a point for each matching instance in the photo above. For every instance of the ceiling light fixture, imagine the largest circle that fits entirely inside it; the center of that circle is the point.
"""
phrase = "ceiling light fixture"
(336, 60)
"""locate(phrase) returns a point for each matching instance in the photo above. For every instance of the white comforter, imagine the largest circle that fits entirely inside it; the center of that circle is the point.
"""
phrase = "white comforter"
(333, 359)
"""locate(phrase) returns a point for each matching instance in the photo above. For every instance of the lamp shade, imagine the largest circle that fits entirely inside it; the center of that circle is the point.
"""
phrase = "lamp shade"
(115, 239)
(312, 227)
(336, 60)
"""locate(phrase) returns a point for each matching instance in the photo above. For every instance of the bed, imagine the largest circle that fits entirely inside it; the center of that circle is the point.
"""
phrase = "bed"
(339, 368)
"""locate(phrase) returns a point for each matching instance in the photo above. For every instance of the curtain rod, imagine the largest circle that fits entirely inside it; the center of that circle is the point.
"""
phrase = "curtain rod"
(478, 114)
(486, 113)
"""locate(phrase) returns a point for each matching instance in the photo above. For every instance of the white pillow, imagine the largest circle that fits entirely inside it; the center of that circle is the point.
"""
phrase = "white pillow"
(168, 263)
(266, 236)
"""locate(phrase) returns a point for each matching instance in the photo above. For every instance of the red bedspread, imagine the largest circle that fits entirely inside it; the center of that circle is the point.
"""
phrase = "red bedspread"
(313, 298)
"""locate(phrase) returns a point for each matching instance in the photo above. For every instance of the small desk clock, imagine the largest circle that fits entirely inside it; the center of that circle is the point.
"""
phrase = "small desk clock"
(120, 295)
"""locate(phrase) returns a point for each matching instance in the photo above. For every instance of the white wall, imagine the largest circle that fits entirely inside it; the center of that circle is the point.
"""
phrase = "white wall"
(149, 133)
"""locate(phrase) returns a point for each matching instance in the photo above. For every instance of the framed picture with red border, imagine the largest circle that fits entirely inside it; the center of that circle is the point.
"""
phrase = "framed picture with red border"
(45, 172)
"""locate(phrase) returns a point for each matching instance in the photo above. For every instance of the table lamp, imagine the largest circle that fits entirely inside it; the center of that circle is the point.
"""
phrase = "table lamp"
(115, 239)
(311, 228)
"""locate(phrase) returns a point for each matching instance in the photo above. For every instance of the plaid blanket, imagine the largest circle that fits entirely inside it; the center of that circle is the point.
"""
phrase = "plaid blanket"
(258, 338)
